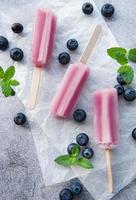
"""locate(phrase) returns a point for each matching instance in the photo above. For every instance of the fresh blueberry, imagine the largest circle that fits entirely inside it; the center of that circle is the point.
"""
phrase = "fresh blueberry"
(130, 94)
(88, 152)
(107, 10)
(79, 115)
(72, 44)
(134, 133)
(64, 58)
(16, 54)
(87, 8)
(70, 147)
(76, 188)
(17, 27)
(4, 44)
(119, 88)
(120, 80)
(82, 139)
(66, 194)
(20, 119)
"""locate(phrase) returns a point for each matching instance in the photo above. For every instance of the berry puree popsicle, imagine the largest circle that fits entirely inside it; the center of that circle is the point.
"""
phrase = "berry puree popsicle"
(42, 47)
(74, 81)
(106, 124)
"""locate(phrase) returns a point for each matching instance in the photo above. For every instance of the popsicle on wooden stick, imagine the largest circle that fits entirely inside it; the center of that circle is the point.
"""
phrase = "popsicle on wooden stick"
(106, 124)
(74, 80)
(42, 47)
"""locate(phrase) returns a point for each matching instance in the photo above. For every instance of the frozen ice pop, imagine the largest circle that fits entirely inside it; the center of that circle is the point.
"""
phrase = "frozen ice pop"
(106, 123)
(42, 46)
(74, 81)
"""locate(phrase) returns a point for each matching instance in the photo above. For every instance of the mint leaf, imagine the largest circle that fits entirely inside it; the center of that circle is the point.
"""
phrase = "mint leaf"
(85, 163)
(1, 73)
(118, 54)
(6, 89)
(127, 73)
(14, 82)
(9, 73)
(75, 150)
(132, 55)
(66, 160)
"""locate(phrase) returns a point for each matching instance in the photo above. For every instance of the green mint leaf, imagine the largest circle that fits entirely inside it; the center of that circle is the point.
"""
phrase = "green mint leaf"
(9, 73)
(6, 89)
(14, 82)
(132, 55)
(118, 54)
(1, 72)
(127, 73)
(66, 160)
(75, 150)
(85, 163)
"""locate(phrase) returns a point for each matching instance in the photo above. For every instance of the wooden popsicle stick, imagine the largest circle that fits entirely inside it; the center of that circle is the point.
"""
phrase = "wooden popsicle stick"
(34, 88)
(109, 169)
(90, 45)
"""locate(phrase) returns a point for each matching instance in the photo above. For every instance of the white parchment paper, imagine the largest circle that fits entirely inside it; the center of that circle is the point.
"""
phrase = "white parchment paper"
(58, 133)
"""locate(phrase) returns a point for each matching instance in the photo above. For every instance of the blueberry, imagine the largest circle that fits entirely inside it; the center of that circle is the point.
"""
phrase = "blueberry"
(66, 194)
(20, 119)
(72, 44)
(16, 54)
(119, 88)
(70, 147)
(87, 8)
(88, 152)
(107, 10)
(130, 94)
(17, 27)
(82, 139)
(79, 115)
(4, 44)
(76, 188)
(120, 80)
(134, 133)
(64, 58)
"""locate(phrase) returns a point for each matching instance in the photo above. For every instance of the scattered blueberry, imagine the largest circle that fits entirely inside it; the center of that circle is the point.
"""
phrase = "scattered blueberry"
(130, 94)
(70, 147)
(16, 54)
(17, 27)
(66, 194)
(87, 152)
(64, 58)
(72, 44)
(20, 119)
(134, 133)
(82, 139)
(4, 44)
(107, 10)
(79, 115)
(120, 80)
(87, 8)
(119, 88)
(76, 188)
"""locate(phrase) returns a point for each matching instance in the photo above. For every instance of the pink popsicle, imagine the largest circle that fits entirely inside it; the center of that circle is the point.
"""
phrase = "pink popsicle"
(106, 124)
(43, 39)
(73, 82)
(105, 105)
(42, 47)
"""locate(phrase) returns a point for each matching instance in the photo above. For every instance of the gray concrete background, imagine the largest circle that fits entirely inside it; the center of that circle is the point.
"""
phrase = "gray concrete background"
(20, 175)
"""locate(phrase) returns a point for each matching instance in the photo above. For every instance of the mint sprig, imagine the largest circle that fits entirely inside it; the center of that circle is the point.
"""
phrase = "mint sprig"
(6, 81)
(73, 159)
(122, 56)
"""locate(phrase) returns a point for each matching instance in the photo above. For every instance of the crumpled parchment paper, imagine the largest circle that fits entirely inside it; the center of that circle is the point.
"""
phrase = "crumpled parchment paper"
(58, 133)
